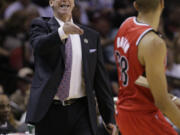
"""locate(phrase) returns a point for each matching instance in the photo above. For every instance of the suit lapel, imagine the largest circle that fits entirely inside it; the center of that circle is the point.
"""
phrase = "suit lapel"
(54, 25)
(85, 53)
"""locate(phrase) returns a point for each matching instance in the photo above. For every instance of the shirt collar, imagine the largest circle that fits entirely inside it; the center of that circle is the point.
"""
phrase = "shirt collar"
(61, 23)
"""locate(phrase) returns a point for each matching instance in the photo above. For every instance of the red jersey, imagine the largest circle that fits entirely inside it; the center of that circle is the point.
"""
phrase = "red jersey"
(131, 96)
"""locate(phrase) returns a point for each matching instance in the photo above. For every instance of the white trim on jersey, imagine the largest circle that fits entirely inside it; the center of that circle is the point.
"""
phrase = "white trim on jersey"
(138, 23)
(142, 35)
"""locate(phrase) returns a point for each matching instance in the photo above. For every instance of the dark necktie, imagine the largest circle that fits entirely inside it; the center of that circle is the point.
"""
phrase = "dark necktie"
(64, 87)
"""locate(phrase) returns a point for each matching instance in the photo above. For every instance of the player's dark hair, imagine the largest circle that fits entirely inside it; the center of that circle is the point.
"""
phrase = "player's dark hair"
(147, 5)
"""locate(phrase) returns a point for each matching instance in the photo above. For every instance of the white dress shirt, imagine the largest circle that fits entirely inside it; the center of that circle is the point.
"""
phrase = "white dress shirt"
(77, 85)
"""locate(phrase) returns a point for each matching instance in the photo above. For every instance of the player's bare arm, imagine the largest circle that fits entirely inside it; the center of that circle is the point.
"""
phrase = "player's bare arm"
(152, 54)
(142, 81)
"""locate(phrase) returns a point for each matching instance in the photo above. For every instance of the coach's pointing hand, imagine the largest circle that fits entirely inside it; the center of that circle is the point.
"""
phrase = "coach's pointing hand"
(70, 28)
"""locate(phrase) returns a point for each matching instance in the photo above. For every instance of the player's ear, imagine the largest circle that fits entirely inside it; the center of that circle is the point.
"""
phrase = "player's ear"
(162, 3)
(51, 3)
(135, 5)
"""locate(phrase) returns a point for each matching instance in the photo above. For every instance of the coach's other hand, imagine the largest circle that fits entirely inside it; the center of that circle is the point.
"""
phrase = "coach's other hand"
(112, 129)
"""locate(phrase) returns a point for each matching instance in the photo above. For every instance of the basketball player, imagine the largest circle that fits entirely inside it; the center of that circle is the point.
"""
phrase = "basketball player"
(140, 50)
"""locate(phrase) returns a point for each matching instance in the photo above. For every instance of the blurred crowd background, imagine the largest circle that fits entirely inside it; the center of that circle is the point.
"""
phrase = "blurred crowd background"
(16, 55)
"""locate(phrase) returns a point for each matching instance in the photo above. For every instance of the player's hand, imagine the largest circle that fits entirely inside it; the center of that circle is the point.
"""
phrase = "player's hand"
(70, 28)
(112, 129)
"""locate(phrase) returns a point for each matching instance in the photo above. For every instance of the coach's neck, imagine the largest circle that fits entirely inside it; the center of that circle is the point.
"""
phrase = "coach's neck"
(64, 18)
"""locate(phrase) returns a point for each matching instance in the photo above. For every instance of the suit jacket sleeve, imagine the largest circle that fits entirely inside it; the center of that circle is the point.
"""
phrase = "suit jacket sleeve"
(42, 39)
(103, 89)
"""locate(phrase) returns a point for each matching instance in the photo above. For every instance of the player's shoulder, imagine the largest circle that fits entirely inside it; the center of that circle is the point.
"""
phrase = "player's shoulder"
(153, 41)
(151, 48)
(127, 24)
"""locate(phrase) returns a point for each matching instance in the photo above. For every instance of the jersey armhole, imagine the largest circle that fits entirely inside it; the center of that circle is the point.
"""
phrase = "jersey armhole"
(142, 35)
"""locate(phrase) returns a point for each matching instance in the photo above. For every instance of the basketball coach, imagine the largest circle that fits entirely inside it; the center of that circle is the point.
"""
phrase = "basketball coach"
(69, 74)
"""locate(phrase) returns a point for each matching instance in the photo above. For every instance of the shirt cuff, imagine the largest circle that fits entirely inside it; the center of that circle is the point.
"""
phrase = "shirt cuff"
(62, 33)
